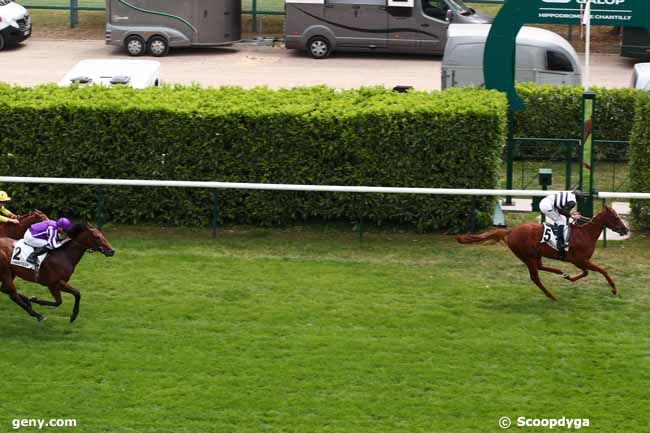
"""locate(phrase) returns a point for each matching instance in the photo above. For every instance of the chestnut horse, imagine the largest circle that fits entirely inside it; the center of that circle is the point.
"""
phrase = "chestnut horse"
(17, 231)
(524, 242)
(55, 271)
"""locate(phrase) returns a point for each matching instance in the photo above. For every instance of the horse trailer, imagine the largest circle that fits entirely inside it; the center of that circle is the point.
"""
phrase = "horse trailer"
(403, 26)
(153, 26)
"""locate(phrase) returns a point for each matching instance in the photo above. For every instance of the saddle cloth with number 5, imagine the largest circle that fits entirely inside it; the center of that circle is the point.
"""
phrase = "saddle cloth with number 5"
(20, 254)
(549, 238)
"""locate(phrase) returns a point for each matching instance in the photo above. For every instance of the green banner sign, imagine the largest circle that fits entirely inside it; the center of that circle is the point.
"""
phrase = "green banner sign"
(499, 64)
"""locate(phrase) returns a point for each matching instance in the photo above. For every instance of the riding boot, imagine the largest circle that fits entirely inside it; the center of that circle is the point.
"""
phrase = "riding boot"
(33, 257)
(561, 245)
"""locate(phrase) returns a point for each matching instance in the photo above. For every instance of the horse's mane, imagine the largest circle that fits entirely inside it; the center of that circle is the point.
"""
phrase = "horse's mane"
(76, 230)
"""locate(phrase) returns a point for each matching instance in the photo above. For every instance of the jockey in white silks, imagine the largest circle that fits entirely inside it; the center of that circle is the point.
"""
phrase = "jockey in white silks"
(558, 208)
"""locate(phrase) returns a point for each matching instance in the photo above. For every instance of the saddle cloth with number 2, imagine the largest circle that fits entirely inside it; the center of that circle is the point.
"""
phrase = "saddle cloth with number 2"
(20, 254)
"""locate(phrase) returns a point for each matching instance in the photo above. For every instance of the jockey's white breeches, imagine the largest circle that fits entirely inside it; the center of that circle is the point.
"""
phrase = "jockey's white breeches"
(547, 206)
(34, 242)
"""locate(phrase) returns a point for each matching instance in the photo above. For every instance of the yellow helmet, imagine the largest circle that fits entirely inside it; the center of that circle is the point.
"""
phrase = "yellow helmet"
(4, 196)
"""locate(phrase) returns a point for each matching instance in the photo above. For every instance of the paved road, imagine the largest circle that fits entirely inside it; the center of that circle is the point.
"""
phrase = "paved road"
(42, 61)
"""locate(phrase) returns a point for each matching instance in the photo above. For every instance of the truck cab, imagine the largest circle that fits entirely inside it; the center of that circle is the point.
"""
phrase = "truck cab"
(403, 26)
(15, 24)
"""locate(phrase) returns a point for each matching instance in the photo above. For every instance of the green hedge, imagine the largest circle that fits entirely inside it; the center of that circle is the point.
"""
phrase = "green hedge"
(555, 112)
(640, 162)
(304, 136)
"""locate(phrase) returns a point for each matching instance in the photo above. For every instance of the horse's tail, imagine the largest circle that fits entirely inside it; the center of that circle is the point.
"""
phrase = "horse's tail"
(494, 235)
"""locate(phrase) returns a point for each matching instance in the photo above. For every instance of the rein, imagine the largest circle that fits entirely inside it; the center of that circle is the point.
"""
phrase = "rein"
(86, 249)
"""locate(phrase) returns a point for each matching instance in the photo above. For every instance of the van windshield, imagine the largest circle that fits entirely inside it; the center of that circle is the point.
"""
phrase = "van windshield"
(438, 8)
(458, 5)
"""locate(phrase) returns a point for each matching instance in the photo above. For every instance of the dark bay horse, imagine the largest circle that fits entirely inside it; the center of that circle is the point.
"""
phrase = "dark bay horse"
(56, 270)
(524, 242)
(17, 231)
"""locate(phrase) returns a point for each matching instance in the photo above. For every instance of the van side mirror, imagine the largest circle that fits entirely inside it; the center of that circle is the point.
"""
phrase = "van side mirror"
(450, 14)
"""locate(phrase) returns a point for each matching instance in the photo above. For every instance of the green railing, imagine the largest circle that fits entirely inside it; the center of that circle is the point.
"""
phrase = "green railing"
(563, 157)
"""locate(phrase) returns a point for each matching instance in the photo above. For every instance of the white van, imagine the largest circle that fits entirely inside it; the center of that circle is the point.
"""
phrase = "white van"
(15, 24)
(641, 76)
(542, 57)
(138, 74)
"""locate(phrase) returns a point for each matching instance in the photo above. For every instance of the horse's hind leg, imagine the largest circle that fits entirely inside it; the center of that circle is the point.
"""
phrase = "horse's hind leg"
(56, 294)
(65, 287)
(548, 268)
(9, 288)
(534, 275)
(593, 267)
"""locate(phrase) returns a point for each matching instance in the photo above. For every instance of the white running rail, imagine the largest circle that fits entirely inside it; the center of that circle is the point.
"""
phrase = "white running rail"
(290, 187)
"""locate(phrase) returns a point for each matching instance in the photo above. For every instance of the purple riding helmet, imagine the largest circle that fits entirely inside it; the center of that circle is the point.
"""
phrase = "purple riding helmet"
(64, 224)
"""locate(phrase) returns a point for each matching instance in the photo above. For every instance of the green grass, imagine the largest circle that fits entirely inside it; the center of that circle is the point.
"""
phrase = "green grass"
(308, 330)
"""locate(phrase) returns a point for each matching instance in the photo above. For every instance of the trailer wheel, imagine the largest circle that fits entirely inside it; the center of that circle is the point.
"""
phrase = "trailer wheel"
(2, 42)
(135, 46)
(319, 47)
(158, 46)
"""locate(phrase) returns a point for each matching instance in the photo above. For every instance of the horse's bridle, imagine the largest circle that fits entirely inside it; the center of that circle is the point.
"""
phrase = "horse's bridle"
(90, 250)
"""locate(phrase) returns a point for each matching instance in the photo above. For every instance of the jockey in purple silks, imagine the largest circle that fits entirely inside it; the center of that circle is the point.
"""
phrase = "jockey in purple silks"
(44, 236)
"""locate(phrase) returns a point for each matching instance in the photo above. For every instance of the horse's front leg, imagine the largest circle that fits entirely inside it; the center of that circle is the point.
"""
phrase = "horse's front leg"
(593, 267)
(575, 278)
(65, 287)
(534, 275)
(56, 294)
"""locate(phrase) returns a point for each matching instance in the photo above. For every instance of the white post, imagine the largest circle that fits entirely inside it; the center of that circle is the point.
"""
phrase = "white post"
(587, 22)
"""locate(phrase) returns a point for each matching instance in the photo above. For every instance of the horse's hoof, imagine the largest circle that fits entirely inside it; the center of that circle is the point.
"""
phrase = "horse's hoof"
(33, 299)
(566, 276)
(73, 318)
(41, 318)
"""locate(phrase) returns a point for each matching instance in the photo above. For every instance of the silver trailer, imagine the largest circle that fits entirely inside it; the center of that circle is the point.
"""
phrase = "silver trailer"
(403, 26)
(542, 57)
(153, 26)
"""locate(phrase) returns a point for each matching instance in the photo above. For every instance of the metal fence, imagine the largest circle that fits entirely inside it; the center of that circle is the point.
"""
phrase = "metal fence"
(562, 155)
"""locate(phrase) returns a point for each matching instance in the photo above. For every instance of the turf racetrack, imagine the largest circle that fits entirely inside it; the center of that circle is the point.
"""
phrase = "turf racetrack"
(311, 331)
